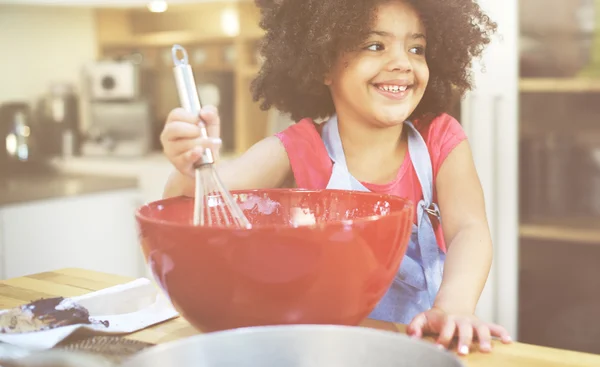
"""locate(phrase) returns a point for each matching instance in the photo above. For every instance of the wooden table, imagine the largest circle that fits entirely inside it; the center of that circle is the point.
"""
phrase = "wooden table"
(74, 282)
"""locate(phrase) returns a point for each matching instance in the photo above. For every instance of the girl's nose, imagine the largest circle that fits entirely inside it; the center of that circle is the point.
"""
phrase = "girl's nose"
(399, 60)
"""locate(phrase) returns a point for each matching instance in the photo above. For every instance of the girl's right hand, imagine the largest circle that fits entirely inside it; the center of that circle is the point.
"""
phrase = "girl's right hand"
(181, 138)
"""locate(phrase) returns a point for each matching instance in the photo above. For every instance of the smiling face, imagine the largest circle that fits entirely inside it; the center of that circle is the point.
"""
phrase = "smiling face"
(383, 81)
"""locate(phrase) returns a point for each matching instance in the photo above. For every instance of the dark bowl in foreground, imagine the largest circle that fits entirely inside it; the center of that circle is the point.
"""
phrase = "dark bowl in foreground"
(311, 257)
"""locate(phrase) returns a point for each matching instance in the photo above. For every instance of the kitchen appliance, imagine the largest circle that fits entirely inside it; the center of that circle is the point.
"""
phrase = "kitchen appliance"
(18, 143)
(111, 80)
(311, 257)
(120, 110)
(295, 346)
(58, 116)
(119, 129)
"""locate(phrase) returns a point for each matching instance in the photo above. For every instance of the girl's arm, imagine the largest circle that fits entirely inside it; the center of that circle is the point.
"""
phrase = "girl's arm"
(264, 165)
(466, 231)
(468, 259)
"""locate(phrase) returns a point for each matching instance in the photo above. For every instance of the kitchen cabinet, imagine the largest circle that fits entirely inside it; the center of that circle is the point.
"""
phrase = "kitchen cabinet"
(559, 137)
(559, 134)
(532, 111)
(95, 231)
(558, 298)
(532, 123)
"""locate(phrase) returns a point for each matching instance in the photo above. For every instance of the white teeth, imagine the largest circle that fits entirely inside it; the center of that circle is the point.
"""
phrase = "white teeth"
(393, 88)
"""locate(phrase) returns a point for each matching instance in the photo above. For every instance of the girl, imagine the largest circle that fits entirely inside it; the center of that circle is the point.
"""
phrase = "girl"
(382, 74)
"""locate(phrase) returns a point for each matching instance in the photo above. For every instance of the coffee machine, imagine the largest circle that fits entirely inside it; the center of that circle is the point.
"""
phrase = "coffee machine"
(18, 145)
(120, 110)
(58, 121)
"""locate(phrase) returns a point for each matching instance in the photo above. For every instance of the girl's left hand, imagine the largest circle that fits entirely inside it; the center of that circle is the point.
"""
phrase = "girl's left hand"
(466, 327)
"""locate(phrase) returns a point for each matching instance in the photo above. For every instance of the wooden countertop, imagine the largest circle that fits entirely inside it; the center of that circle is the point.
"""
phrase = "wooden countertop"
(74, 282)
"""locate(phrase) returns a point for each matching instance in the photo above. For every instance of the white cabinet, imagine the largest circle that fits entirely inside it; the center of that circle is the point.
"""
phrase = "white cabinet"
(95, 231)
(2, 267)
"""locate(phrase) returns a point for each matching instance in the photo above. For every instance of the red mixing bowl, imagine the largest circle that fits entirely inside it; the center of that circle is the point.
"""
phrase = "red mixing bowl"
(311, 257)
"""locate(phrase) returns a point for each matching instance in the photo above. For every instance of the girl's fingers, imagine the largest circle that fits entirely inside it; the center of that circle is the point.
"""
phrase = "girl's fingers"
(447, 333)
(182, 124)
(500, 332)
(179, 130)
(178, 147)
(183, 140)
(184, 153)
(210, 116)
(417, 326)
(184, 162)
(465, 336)
(179, 114)
(485, 338)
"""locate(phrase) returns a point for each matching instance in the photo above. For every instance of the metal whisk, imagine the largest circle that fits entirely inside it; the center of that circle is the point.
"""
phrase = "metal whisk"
(213, 203)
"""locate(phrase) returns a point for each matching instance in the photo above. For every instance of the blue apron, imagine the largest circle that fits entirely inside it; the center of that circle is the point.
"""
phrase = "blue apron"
(417, 282)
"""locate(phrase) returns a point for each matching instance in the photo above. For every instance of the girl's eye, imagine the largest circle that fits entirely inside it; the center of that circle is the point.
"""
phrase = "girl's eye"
(418, 50)
(375, 47)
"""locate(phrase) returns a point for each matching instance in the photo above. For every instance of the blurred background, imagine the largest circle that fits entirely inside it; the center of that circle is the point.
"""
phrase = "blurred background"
(86, 85)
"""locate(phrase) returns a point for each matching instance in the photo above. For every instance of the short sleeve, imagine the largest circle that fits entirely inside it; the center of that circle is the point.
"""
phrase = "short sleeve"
(308, 156)
(443, 135)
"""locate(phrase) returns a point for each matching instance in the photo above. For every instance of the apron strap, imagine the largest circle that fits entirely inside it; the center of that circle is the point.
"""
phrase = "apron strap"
(330, 135)
(422, 164)
(340, 176)
(426, 209)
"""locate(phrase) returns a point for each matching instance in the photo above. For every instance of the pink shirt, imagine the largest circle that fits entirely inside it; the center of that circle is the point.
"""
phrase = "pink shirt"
(312, 166)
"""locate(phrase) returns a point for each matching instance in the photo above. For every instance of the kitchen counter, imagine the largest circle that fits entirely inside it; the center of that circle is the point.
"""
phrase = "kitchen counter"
(73, 282)
(20, 188)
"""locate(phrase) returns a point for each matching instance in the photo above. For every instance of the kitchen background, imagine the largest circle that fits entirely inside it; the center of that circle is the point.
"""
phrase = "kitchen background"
(85, 88)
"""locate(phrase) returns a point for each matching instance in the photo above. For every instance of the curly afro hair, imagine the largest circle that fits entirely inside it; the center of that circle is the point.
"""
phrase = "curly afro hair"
(304, 37)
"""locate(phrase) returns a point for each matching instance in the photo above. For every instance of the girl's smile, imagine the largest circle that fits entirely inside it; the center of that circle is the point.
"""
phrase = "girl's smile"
(396, 89)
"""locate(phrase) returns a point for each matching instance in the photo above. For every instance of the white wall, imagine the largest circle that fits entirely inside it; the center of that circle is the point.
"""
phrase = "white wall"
(40, 45)
(491, 121)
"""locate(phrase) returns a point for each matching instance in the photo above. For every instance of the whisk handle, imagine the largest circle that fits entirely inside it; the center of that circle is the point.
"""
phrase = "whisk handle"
(188, 95)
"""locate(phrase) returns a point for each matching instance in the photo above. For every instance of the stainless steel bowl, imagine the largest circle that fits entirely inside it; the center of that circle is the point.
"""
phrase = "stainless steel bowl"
(296, 346)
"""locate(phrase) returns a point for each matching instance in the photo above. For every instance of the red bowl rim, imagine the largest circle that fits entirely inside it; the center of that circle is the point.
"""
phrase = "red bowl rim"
(408, 206)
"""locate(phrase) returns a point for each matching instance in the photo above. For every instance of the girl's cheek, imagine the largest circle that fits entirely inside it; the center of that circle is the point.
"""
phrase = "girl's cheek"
(369, 67)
